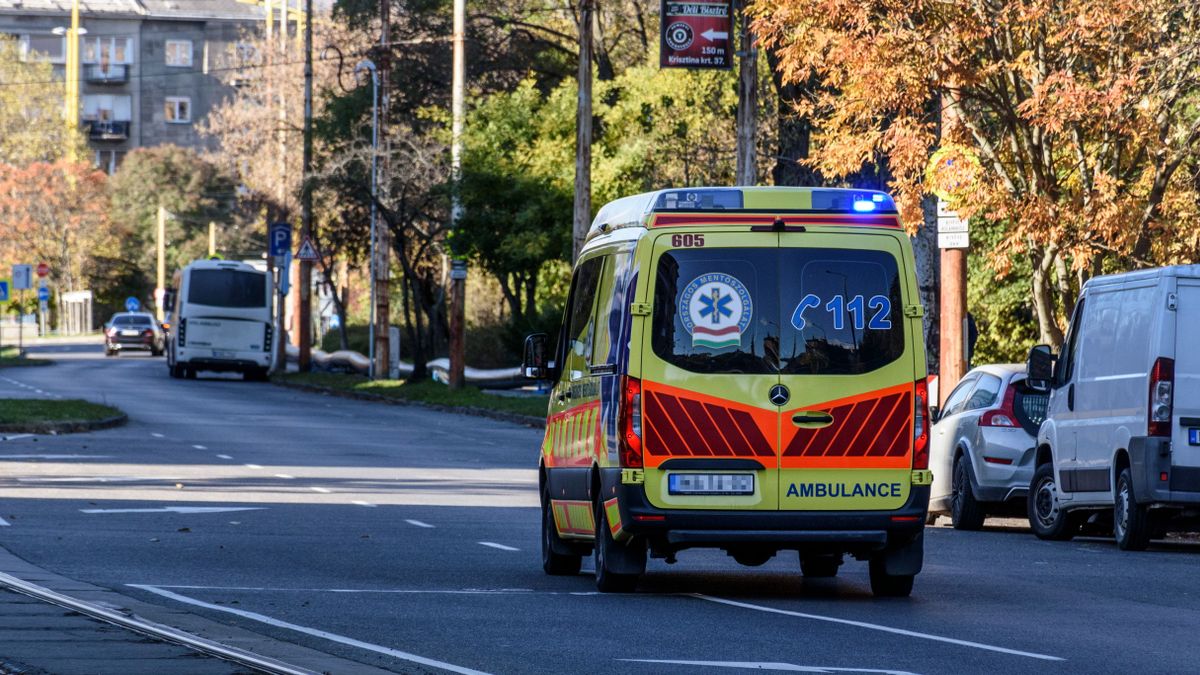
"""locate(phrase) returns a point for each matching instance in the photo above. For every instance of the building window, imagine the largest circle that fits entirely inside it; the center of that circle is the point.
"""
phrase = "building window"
(178, 110)
(179, 53)
(52, 48)
(105, 51)
(109, 161)
(107, 108)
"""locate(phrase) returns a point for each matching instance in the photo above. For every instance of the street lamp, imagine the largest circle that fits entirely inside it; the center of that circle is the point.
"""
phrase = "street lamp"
(368, 65)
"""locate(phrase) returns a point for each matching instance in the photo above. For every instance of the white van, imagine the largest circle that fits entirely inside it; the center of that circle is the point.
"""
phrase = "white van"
(1122, 429)
(220, 319)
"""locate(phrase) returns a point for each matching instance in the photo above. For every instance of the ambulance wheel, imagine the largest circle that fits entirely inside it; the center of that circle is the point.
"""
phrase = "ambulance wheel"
(818, 566)
(886, 585)
(555, 560)
(1047, 518)
(1131, 521)
(618, 565)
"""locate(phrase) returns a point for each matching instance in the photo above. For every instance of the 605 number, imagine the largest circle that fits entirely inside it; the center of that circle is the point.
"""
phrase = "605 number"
(687, 240)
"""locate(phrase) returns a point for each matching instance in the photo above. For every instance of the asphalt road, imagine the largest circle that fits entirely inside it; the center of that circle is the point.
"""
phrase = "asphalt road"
(408, 540)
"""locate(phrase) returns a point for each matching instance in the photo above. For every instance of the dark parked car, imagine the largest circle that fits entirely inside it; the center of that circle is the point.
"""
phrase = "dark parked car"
(133, 330)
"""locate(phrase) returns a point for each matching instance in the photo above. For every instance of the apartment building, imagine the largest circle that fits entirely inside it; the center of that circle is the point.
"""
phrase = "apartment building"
(150, 69)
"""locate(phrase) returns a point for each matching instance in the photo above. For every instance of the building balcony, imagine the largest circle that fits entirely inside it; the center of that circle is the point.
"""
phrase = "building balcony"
(106, 131)
(110, 74)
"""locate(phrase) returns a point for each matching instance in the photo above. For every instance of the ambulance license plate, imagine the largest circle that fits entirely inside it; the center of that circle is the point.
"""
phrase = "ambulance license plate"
(1193, 436)
(710, 484)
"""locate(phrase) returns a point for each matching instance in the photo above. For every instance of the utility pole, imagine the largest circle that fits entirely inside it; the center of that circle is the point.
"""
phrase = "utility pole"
(953, 302)
(304, 316)
(383, 243)
(284, 267)
(71, 113)
(458, 270)
(583, 131)
(747, 112)
(160, 287)
(212, 239)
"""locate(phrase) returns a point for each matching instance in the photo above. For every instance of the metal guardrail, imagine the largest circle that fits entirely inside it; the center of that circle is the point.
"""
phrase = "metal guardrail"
(346, 360)
(151, 629)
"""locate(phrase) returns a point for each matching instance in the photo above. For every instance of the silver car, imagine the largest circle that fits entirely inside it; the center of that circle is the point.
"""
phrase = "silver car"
(982, 445)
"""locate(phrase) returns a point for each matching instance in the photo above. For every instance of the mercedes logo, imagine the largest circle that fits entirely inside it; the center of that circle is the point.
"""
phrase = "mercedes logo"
(780, 395)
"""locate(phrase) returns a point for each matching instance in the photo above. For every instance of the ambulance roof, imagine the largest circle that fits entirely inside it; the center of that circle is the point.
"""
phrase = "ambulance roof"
(636, 211)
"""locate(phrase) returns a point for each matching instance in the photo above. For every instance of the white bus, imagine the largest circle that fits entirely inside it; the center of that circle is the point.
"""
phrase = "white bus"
(219, 313)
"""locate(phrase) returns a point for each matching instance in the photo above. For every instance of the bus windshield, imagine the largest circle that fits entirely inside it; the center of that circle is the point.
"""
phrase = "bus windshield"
(227, 288)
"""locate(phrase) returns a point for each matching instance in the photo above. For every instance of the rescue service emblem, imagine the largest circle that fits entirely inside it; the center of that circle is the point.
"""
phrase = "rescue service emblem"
(715, 309)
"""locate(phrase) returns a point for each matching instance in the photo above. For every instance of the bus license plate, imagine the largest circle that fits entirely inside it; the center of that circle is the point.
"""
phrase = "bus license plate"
(1193, 436)
(218, 354)
(710, 484)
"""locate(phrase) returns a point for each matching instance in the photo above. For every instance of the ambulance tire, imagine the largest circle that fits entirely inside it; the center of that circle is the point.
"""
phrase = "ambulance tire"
(554, 562)
(619, 565)
(886, 585)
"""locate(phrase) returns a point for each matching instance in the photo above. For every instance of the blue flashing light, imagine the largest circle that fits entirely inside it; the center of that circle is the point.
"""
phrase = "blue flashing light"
(877, 198)
(864, 206)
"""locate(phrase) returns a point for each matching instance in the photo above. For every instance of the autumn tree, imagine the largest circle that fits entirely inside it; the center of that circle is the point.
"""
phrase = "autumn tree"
(1071, 125)
(32, 128)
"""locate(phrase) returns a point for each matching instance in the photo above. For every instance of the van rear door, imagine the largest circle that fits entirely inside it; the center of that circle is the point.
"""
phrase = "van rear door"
(1185, 426)
(709, 362)
(848, 358)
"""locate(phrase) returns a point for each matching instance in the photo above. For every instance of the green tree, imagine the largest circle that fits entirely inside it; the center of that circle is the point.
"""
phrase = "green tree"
(192, 190)
(31, 110)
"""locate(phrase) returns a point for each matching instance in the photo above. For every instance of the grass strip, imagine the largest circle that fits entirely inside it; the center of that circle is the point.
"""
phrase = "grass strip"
(426, 391)
(35, 411)
(9, 359)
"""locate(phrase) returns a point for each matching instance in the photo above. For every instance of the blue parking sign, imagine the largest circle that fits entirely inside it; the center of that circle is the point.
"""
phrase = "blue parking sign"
(3, 290)
(280, 237)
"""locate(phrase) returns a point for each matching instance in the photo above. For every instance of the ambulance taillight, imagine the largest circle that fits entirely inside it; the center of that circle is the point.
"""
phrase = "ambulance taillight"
(631, 422)
(921, 425)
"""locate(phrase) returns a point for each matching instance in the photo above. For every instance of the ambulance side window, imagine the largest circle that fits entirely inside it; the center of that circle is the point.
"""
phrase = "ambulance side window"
(581, 314)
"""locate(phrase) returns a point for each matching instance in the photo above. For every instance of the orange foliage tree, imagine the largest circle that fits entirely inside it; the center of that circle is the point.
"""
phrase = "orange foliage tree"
(1072, 124)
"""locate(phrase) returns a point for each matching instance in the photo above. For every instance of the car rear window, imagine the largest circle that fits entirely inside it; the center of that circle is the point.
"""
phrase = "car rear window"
(131, 320)
(769, 310)
(1030, 407)
(227, 288)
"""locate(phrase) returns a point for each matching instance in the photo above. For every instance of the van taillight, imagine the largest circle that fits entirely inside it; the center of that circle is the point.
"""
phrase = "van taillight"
(921, 425)
(1162, 386)
(631, 422)
(1005, 415)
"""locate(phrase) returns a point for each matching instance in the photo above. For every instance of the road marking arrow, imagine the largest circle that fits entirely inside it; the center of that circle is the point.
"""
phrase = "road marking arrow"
(178, 509)
(714, 35)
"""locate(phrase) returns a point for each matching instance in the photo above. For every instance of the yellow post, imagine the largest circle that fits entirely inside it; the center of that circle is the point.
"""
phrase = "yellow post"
(71, 76)
(270, 20)
(212, 239)
(161, 286)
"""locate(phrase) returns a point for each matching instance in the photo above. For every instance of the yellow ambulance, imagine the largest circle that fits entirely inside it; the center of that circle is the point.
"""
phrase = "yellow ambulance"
(740, 369)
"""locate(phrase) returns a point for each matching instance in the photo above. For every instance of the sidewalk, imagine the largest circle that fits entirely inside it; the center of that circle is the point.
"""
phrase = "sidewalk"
(39, 638)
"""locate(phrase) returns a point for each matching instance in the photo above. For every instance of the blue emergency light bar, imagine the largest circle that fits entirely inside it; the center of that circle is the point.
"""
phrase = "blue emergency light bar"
(821, 200)
(699, 200)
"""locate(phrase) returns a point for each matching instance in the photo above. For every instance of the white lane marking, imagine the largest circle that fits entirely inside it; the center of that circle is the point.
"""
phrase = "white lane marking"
(322, 490)
(284, 475)
(3, 523)
(55, 456)
(199, 447)
(156, 435)
(878, 627)
(178, 509)
(386, 591)
(332, 637)
(417, 523)
(102, 479)
(253, 466)
(765, 665)
(361, 503)
(224, 456)
(13, 438)
(502, 547)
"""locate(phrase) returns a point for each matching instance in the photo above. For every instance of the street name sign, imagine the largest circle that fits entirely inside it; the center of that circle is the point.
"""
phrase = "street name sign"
(953, 232)
(696, 34)
(22, 276)
(954, 240)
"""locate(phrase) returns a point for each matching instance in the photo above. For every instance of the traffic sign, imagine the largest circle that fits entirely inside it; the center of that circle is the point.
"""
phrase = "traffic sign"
(43, 294)
(307, 251)
(280, 238)
(4, 286)
(954, 240)
(696, 34)
(22, 277)
(43, 269)
(132, 304)
(285, 274)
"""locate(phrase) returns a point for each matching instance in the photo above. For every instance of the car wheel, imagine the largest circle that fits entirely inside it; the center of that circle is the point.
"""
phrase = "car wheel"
(553, 561)
(966, 513)
(1131, 521)
(618, 566)
(886, 585)
(1046, 516)
(818, 566)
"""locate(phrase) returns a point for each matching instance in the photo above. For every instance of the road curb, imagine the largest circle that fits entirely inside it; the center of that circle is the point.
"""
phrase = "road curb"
(514, 418)
(65, 426)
